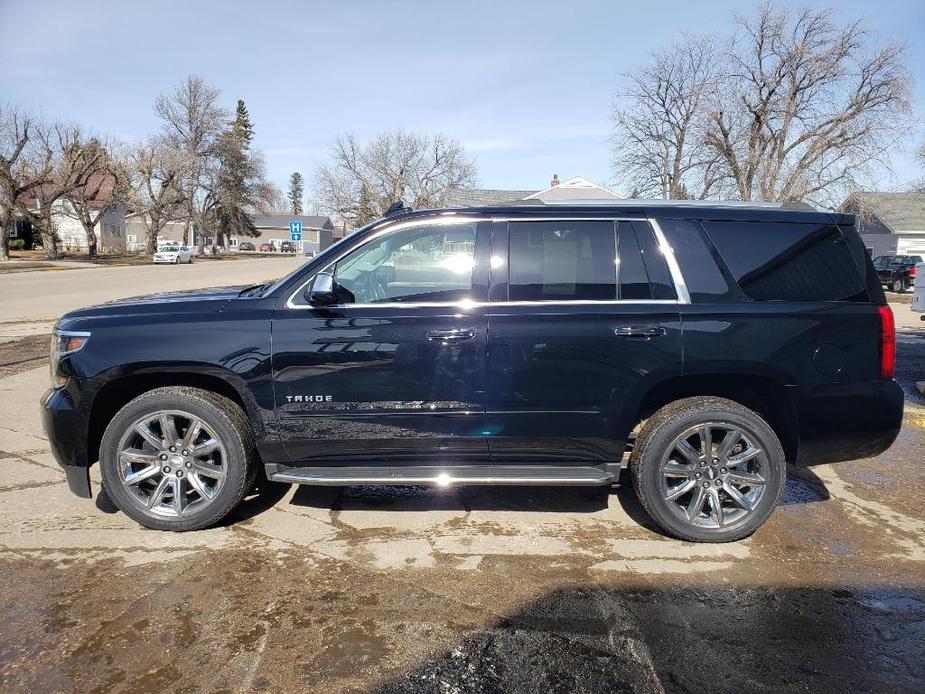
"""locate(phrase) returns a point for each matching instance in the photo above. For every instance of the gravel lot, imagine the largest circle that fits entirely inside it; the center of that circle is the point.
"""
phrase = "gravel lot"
(462, 590)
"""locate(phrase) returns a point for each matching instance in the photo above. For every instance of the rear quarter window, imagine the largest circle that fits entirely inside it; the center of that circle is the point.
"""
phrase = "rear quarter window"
(778, 261)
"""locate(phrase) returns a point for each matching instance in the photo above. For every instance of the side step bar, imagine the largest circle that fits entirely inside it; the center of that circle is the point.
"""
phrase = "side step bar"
(447, 476)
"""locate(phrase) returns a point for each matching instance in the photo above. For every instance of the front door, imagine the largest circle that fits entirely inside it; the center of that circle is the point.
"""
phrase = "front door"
(577, 333)
(393, 373)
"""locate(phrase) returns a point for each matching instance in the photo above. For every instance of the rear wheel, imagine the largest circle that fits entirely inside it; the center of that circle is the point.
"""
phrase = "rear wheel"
(178, 458)
(708, 469)
(899, 285)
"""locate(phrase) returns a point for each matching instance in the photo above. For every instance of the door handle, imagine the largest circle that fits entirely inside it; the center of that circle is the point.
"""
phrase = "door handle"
(450, 336)
(639, 331)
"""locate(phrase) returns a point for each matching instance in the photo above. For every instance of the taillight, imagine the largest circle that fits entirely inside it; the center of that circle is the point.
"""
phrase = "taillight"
(910, 272)
(887, 343)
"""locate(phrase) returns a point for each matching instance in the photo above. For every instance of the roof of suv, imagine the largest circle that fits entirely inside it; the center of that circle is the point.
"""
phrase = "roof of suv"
(657, 208)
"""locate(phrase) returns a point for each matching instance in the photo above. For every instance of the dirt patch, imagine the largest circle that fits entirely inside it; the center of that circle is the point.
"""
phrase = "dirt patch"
(23, 354)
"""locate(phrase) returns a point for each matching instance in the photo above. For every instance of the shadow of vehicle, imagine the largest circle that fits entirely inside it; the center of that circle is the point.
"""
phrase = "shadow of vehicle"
(689, 639)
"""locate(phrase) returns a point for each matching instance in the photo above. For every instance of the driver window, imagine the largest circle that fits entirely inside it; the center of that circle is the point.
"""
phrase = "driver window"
(420, 264)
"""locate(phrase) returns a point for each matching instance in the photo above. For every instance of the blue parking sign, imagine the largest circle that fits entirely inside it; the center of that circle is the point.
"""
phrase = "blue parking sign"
(295, 230)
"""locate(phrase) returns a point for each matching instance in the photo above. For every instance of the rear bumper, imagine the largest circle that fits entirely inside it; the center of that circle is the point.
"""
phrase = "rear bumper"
(847, 421)
(63, 427)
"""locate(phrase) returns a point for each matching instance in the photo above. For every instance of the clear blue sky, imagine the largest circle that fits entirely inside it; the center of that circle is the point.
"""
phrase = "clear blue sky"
(526, 86)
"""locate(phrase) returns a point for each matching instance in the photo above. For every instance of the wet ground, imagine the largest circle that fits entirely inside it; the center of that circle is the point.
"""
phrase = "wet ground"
(462, 590)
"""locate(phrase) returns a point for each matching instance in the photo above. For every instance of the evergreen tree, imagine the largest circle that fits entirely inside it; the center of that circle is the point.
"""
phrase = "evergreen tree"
(242, 126)
(240, 178)
(296, 191)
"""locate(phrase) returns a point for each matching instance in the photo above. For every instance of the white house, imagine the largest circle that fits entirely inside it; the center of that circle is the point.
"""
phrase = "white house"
(890, 223)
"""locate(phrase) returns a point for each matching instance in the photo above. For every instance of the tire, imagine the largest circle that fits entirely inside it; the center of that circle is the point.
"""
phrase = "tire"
(177, 261)
(191, 259)
(223, 475)
(758, 481)
(899, 285)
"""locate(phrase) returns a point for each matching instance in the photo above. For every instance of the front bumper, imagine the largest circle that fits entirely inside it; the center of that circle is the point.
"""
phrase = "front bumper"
(64, 428)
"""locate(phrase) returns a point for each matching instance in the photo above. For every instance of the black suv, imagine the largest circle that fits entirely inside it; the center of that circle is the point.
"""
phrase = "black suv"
(507, 345)
(897, 272)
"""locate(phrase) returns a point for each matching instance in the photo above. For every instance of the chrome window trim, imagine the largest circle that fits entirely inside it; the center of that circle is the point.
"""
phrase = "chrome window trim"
(452, 219)
(680, 285)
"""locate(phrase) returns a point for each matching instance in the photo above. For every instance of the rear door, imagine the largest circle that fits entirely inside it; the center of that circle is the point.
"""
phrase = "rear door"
(583, 318)
(394, 373)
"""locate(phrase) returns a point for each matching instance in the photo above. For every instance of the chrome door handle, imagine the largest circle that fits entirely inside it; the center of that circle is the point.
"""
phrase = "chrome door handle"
(639, 331)
(449, 336)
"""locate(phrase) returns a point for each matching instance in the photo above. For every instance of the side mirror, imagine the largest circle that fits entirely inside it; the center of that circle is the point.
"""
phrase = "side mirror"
(320, 290)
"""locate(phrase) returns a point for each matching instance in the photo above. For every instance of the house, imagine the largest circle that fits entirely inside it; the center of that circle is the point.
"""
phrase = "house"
(136, 233)
(317, 231)
(109, 229)
(890, 223)
(574, 189)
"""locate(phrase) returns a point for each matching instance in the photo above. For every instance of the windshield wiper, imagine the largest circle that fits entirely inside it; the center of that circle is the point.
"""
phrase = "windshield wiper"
(255, 289)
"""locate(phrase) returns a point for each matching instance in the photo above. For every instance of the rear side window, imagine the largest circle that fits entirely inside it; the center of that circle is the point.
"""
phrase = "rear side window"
(562, 261)
(699, 264)
(642, 269)
(774, 261)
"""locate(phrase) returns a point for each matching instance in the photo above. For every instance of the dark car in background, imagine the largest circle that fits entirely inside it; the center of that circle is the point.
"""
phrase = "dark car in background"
(287, 247)
(702, 346)
(246, 246)
(897, 272)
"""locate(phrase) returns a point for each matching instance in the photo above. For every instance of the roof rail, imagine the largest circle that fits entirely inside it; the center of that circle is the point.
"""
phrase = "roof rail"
(397, 207)
(639, 202)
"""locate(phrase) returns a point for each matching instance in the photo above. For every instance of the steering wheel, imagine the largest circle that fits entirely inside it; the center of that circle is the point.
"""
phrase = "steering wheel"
(375, 286)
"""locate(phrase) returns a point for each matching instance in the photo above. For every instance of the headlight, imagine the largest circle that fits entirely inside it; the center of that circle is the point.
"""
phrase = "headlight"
(64, 342)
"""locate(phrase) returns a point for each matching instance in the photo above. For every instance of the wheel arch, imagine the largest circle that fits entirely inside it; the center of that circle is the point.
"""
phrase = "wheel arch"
(764, 395)
(118, 391)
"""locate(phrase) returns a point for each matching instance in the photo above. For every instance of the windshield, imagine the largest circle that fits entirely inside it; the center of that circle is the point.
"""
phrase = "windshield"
(169, 249)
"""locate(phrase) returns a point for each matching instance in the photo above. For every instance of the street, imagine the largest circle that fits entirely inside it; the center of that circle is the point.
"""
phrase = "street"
(409, 589)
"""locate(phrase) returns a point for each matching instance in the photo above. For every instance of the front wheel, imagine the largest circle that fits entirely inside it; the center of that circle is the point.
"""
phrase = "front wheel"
(708, 469)
(899, 285)
(178, 458)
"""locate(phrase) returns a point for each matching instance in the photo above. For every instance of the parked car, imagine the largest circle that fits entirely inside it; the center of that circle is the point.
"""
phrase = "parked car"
(897, 272)
(245, 246)
(174, 254)
(704, 338)
(287, 247)
(267, 247)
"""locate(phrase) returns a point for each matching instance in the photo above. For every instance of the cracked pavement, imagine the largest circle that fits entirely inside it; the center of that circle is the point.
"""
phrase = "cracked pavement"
(475, 589)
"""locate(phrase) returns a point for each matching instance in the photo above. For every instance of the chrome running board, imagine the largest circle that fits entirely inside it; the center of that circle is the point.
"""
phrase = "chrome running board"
(446, 476)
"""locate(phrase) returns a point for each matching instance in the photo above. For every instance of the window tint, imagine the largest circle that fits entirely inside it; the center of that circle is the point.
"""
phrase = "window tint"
(788, 262)
(563, 260)
(428, 263)
(634, 282)
(702, 274)
(656, 266)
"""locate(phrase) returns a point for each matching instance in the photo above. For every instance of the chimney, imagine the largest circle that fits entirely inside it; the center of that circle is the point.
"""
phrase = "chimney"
(555, 180)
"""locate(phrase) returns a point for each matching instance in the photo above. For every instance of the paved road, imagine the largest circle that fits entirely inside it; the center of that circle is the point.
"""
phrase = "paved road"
(43, 295)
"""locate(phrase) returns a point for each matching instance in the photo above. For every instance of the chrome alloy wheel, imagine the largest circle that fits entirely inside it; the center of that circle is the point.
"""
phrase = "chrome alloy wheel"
(171, 463)
(713, 475)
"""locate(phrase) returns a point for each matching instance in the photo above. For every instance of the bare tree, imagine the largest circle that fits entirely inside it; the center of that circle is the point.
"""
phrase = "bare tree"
(105, 190)
(660, 122)
(362, 180)
(193, 120)
(65, 160)
(806, 105)
(22, 168)
(157, 193)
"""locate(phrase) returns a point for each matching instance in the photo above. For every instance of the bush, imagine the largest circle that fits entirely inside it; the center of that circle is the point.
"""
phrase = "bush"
(17, 244)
